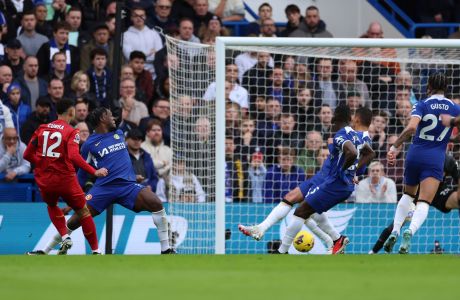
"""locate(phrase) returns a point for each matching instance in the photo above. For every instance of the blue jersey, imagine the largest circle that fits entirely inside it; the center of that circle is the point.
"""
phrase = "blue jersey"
(365, 139)
(431, 138)
(337, 159)
(108, 151)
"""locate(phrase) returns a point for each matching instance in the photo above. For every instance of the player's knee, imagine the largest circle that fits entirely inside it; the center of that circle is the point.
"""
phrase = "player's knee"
(304, 211)
(294, 196)
(83, 212)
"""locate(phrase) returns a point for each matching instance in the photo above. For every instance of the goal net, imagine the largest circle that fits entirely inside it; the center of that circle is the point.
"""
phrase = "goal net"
(260, 114)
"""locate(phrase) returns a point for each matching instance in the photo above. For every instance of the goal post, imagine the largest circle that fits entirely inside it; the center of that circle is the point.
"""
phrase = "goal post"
(405, 54)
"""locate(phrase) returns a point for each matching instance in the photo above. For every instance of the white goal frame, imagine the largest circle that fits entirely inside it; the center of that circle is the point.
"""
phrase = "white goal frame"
(223, 42)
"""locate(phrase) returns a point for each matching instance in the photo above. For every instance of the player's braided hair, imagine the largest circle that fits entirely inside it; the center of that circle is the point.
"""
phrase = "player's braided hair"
(438, 81)
(94, 118)
(365, 115)
(342, 114)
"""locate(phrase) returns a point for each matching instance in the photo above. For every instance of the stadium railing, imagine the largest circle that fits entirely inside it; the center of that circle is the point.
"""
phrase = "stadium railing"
(23, 189)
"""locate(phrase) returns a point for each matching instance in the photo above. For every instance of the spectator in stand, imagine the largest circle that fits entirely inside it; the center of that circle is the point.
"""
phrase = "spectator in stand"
(59, 43)
(41, 115)
(258, 76)
(2, 28)
(377, 132)
(57, 11)
(246, 61)
(324, 85)
(294, 17)
(200, 155)
(182, 9)
(283, 177)
(6, 77)
(213, 29)
(267, 28)
(404, 79)
(12, 162)
(227, 10)
(279, 87)
(141, 161)
(143, 78)
(19, 110)
(81, 111)
(349, 82)
(126, 72)
(396, 170)
(110, 22)
(435, 11)
(376, 188)
(80, 90)
(268, 129)
(202, 15)
(58, 71)
(13, 56)
(248, 138)
(186, 30)
(100, 77)
(101, 39)
(322, 157)
(288, 136)
(133, 110)
(302, 75)
(236, 185)
(265, 12)
(257, 173)
(84, 131)
(324, 122)
(289, 69)
(30, 39)
(312, 26)
(140, 37)
(160, 111)
(6, 120)
(77, 37)
(401, 118)
(354, 101)
(307, 158)
(55, 94)
(238, 94)
(162, 17)
(32, 86)
(154, 144)
(305, 108)
(43, 26)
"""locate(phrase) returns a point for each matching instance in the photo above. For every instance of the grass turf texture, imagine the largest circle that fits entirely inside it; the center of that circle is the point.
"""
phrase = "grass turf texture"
(230, 277)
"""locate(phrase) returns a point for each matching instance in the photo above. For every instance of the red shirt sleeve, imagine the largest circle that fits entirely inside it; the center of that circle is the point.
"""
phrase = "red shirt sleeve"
(30, 152)
(74, 153)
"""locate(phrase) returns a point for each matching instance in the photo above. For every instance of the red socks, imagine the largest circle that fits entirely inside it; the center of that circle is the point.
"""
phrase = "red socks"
(89, 230)
(58, 219)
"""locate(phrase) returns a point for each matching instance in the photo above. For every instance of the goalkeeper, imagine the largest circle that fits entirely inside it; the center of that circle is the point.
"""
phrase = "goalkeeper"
(445, 200)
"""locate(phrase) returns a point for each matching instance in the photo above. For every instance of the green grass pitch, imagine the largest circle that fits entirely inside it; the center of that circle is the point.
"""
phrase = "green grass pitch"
(252, 277)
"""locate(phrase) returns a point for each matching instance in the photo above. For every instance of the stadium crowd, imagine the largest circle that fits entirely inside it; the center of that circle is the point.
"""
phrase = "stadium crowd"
(278, 107)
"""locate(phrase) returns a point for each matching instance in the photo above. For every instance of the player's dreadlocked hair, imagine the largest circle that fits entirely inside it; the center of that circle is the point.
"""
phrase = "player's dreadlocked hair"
(94, 118)
(365, 115)
(438, 82)
(342, 114)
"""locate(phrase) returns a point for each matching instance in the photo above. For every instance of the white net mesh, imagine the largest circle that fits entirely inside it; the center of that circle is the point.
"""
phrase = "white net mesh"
(279, 105)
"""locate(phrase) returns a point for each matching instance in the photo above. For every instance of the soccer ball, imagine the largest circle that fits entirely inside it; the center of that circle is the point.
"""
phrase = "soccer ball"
(304, 241)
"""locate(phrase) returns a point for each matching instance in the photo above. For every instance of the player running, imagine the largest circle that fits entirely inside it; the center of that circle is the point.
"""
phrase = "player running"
(106, 147)
(424, 160)
(445, 200)
(362, 117)
(53, 149)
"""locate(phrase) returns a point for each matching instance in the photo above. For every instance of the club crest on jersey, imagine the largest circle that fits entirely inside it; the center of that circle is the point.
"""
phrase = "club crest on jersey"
(77, 139)
(89, 197)
(116, 136)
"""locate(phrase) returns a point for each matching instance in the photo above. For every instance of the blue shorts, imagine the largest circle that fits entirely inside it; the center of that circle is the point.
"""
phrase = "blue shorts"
(305, 187)
(417, 171)
(120, 191)
(327, 195)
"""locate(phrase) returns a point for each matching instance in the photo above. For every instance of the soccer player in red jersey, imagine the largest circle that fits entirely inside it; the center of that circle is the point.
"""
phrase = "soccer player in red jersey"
(54, 151)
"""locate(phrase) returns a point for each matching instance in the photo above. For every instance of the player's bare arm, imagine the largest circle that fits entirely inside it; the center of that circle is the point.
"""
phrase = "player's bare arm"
(407, 133)
(350, 154)
(366, 156)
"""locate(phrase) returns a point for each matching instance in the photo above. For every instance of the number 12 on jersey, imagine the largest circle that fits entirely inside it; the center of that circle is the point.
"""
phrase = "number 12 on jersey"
(51, 142)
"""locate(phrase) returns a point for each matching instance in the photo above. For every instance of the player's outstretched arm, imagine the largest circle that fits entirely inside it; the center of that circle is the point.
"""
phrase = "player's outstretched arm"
(449, 121)
(366, 156)
(407, 133)
(75, 157)
(350, 154)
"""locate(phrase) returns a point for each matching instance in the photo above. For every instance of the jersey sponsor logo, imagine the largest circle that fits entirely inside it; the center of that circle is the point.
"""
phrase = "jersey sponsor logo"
(77, 139)
(111, 148)
(89, 197)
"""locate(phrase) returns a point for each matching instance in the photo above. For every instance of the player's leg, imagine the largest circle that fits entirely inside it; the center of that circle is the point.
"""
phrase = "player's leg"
(146, 200)
(313, 226)
(453, 202)
(428, 188)
(277, 214)
(301, 214)
(382, 238)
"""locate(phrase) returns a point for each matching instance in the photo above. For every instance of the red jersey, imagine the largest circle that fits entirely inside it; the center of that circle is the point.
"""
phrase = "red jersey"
(54, 149)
